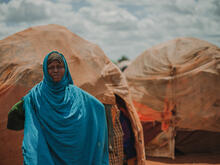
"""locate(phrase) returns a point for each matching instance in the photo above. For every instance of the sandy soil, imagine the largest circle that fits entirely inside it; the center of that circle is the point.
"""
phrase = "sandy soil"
(189, 159)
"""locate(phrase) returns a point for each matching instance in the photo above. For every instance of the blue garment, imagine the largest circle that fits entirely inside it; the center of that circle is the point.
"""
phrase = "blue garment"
(64, 125)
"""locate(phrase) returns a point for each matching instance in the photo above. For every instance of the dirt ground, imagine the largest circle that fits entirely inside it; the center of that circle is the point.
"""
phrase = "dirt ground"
(189, 159)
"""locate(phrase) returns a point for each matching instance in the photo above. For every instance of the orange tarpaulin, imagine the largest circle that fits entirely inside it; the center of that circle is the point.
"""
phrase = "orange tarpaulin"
(147, 114)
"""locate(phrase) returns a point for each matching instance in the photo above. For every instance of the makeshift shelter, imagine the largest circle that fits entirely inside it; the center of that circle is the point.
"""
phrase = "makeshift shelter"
(175, 90)
(21, 58)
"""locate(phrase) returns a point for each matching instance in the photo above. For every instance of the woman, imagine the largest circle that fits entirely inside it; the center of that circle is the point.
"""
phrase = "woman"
(63, 124)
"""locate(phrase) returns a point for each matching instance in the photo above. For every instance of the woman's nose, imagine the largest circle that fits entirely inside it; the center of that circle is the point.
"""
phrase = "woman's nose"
(55, 69)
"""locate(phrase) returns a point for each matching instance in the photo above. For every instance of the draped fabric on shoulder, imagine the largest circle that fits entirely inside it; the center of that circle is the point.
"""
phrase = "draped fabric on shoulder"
(64, 125)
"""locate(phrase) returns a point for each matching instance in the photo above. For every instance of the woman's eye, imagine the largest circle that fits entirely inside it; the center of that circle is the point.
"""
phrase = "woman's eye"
(55, 67)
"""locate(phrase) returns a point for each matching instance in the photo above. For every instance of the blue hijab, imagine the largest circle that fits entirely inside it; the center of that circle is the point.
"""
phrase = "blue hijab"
(64, 125)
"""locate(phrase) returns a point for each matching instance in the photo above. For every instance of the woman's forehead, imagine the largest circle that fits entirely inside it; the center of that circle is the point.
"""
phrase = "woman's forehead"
(56, 62)
(54, 57)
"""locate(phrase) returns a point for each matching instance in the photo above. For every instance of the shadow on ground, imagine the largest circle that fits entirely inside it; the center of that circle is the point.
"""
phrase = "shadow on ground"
(189, 159)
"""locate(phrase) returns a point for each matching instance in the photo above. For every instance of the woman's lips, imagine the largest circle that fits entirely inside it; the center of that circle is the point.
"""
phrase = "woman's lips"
(56, 77)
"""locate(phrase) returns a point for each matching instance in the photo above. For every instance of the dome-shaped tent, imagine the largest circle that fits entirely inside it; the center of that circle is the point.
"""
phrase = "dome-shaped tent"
(21, 58)
(175, 86)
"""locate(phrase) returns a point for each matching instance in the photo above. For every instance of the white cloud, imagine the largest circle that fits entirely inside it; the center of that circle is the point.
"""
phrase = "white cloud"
(119, 27)
(23, 11)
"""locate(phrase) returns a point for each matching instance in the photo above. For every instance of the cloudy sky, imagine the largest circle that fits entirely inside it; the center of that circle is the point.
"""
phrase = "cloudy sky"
(119, 27)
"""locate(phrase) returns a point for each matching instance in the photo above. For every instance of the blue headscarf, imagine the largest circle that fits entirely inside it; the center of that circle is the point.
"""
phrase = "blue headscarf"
(64, 125)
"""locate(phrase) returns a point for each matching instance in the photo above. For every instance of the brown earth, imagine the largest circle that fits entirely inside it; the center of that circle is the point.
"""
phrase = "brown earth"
(189, 159)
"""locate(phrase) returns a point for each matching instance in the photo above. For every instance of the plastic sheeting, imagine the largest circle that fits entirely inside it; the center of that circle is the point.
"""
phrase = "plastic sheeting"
(21, 57)
(176, 84)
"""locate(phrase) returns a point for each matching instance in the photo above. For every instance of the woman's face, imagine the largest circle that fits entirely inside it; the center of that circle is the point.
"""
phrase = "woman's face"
(56, 70)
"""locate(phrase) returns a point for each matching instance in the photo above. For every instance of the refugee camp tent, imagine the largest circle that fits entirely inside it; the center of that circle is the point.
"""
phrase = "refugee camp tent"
(175, 90)
(22, 55)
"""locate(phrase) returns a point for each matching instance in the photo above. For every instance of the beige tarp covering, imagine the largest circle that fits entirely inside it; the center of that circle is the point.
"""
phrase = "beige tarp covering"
(175, 85)
(21, 57)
